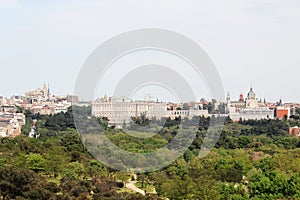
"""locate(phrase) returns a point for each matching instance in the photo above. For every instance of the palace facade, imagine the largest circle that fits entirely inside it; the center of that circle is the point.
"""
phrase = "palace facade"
(122, 110)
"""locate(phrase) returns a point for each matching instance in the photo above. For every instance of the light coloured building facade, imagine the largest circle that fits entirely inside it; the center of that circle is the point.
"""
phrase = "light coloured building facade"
(11, 124)
(250, 108)
(49, 108)
(122, 110)
(39, 95)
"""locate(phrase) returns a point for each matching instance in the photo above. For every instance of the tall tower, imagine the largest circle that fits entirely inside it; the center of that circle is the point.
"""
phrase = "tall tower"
(228, 97)
(45, 90)
(48, 91)
(228, 103)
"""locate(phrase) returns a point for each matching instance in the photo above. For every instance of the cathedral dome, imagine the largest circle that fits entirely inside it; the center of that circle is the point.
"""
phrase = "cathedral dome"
(251, 94)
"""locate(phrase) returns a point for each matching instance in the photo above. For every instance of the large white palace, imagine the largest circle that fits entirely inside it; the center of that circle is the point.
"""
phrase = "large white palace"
(250, 108)
(121, 110)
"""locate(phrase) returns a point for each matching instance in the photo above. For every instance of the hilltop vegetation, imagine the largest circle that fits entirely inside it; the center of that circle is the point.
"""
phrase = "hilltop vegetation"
(254, 159)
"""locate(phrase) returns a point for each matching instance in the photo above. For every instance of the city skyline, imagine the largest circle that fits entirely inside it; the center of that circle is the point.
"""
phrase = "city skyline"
(151, 96)
(251, 43)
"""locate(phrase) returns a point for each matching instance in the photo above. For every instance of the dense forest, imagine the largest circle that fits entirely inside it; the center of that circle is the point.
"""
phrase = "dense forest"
(253, 159)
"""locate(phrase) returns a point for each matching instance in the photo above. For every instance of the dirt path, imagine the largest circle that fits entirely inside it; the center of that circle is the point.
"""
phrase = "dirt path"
(131, 185)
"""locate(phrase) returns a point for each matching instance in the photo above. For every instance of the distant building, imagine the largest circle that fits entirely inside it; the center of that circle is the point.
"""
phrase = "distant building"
(11, 124)
(84, 103)
(51, 108)
(61, 108)
(294, 131)
(8, 109)
(282, 111)
(16, 100)
(292, 110)
(121, 110)
(249, 108)
(241, 99)
(2, 100)
(39, 95)
(72, 99)
(41, 109)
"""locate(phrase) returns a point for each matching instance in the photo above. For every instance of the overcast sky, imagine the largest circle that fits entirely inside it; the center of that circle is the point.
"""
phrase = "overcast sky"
(251, 42)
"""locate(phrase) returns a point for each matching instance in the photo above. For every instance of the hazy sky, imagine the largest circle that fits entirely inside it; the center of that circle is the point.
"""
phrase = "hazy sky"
(251, 42)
